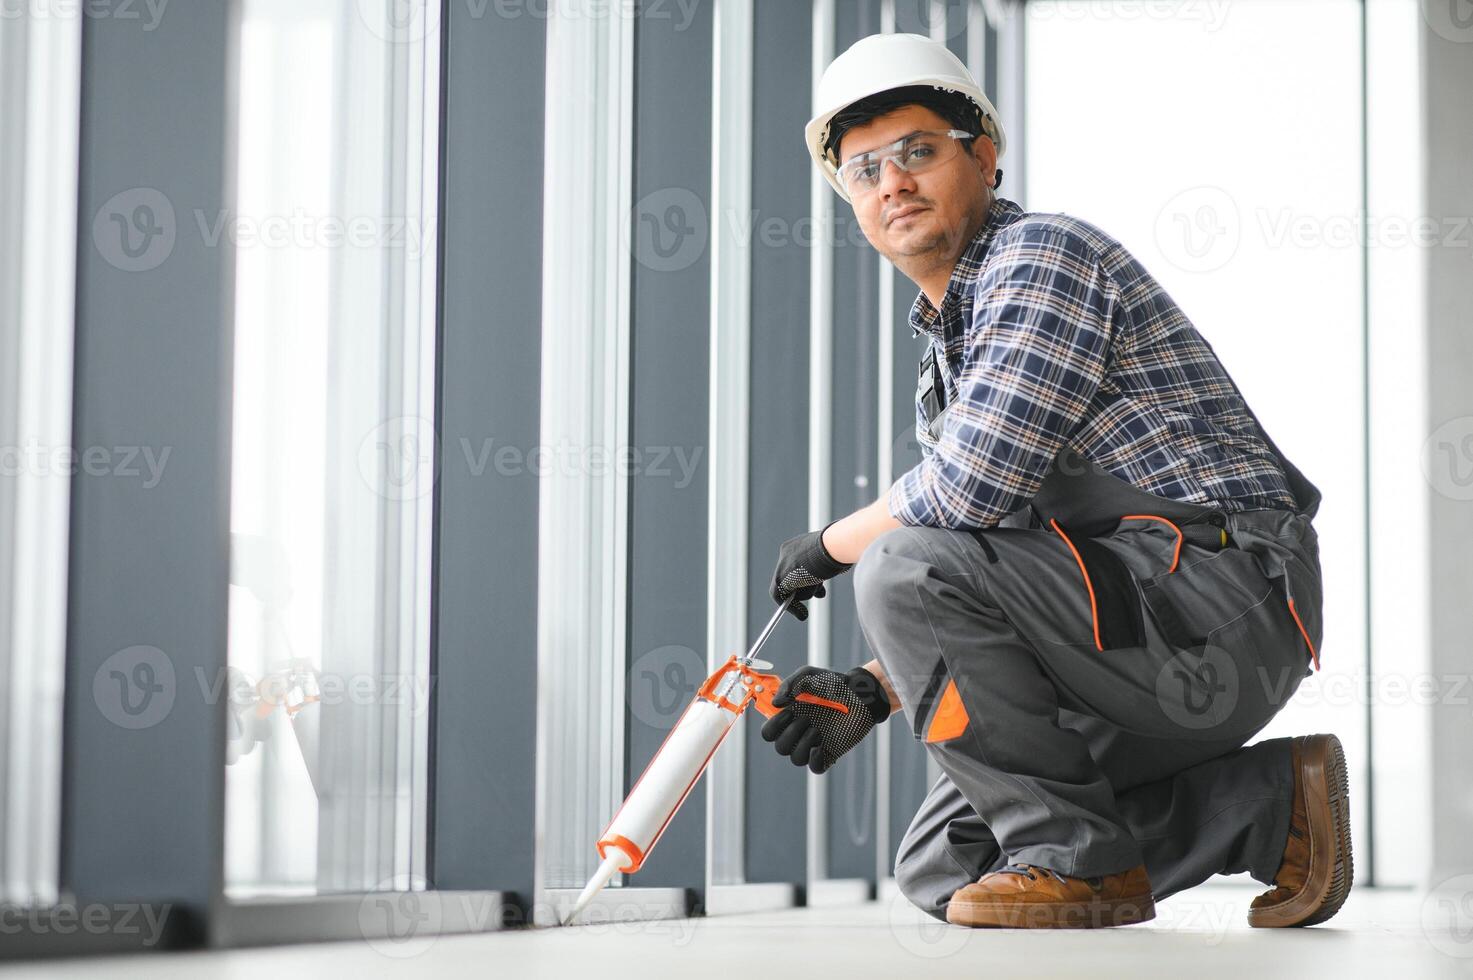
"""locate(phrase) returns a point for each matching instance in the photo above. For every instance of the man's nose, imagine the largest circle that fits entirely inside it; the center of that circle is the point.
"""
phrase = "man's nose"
(893, 179)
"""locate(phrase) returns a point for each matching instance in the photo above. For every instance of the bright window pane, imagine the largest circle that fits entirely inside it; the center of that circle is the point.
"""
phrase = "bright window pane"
(1221, 144)
(332, 452)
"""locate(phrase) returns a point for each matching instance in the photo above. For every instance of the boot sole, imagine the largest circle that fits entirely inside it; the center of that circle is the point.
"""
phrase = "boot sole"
(1331, 868)
(1052, 915)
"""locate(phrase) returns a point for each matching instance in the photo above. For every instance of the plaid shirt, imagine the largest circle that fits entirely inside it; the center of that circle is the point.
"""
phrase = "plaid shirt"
(1051, 333)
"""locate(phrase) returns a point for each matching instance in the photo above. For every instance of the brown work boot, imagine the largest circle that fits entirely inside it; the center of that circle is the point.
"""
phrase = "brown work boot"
(1316, 873)
(1029, 897)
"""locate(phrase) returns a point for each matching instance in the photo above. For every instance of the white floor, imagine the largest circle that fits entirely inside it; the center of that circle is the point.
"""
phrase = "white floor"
(1199, 934)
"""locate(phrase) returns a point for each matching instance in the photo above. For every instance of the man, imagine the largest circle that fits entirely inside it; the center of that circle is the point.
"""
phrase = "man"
(1100, 581)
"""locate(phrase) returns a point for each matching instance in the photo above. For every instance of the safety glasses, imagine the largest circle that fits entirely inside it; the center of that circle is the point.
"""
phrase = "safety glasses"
(915, 154)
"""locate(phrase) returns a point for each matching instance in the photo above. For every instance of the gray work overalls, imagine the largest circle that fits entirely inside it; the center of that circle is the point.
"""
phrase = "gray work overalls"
(1086, 675)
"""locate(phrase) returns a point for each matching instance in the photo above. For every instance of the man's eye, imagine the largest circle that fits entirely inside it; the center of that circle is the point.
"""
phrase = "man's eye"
(918, 152)
(867, 172)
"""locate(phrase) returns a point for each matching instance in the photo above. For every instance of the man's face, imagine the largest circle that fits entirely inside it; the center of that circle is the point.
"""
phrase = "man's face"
(934, 213)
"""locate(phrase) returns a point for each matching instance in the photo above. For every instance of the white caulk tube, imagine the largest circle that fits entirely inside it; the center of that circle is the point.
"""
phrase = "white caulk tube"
(677, 766)
(663, 787)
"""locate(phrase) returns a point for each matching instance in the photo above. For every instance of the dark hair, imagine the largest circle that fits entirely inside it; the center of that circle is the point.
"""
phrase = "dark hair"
(958, 110)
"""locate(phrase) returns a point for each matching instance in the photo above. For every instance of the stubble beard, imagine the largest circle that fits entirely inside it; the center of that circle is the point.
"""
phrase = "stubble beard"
(940, 249)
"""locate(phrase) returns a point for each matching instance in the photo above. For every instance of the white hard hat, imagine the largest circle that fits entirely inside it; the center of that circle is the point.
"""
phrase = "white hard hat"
(878, 63)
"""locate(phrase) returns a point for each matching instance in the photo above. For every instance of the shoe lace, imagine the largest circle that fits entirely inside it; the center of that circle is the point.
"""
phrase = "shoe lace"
(1028, 869)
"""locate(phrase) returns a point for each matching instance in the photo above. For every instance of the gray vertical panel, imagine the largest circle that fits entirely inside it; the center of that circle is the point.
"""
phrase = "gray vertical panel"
(989, 83)
(1006, 50)
(956, 27)
(1447, 75)
(851, 783)
(913, 17)
(776, 801)
(142, 811)
(907, 756)
(12, 231)
(485, 619)
(670, 365)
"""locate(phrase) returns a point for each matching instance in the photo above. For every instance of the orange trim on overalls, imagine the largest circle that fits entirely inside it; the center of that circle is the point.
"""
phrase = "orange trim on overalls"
(1094, 614)
(1315, 654)
(1175, 555)
(950, 717)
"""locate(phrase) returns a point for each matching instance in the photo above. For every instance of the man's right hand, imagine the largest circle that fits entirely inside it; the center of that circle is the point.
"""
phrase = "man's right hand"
(803, 564)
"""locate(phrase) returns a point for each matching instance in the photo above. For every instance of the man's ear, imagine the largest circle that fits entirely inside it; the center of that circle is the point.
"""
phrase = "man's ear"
(984, 151)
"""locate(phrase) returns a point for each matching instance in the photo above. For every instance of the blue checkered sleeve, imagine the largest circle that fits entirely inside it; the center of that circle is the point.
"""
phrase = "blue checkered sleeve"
(1036, 352)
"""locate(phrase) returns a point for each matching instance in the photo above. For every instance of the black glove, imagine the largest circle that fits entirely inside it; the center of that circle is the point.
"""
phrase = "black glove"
(814, 734)
(803, 563)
